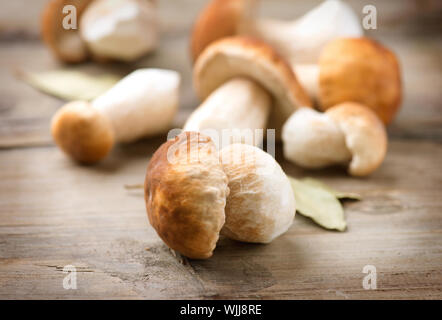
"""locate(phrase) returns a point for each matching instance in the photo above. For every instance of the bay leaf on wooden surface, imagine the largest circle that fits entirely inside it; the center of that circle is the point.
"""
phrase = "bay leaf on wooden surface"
(338, 194)
(69, 84)
(319, 204)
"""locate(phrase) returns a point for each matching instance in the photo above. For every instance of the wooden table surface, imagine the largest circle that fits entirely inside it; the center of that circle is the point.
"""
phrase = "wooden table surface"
(55, 213)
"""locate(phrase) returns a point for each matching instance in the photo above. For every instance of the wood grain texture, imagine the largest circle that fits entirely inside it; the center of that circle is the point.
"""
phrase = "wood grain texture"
(55, 213)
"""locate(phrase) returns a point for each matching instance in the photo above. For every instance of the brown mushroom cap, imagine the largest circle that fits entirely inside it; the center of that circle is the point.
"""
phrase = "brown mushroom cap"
(185, 194)
(67, 45)
(219, 19)
(360, 70)
(365, 136)
(233, 57)
(82, 132)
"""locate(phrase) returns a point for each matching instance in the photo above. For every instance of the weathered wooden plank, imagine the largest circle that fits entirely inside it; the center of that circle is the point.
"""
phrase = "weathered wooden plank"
(54, 212)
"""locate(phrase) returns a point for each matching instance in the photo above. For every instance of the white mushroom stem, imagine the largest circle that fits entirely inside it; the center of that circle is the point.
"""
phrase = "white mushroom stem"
(235, 109)
(120, 29)
(302, 40)
(308, 76)
(314, 140)
(143, 103)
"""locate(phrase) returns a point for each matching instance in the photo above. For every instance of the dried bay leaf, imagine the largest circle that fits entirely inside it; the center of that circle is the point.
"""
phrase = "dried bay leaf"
(70, 84)
(133, 186)
(338, 194)
(319, 204)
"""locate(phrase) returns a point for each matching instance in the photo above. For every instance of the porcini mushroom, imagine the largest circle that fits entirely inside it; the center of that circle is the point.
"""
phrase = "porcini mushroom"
(193, 193)
(300, 41)
(65, 43)
(347, 134)
(239, 79)
(120, 29)
(260, 205)
(143, 103)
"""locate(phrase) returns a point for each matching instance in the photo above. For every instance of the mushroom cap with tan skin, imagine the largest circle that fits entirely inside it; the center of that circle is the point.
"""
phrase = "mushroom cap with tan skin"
(347, 134)
(185, 194)
(300, 40)
(66, 45)
(261, 204)
(82, 132)
(360, 70)
(219, 19)
(233, 57)
(141, 104)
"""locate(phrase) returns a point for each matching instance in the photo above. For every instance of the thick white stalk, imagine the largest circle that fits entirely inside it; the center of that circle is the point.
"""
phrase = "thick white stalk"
(120, 29)
(236, 110)
(143, 103)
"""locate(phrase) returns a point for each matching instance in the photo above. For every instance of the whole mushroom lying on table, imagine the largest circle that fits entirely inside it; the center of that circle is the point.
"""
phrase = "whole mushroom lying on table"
(144, 103)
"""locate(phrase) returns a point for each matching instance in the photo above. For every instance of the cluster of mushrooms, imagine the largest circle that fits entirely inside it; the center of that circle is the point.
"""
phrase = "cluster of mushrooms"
(327, 90)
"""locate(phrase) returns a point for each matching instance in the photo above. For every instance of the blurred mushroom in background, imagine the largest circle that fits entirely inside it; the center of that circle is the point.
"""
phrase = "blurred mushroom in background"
(122, 30)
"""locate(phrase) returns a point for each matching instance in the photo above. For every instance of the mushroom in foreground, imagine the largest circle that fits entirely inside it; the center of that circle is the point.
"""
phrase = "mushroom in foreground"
(347, 134)
(193, 193)
(120, 29)
(242, 81)
(142, 104)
